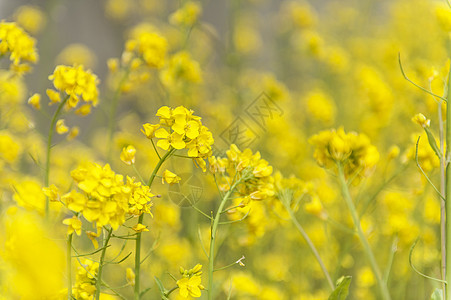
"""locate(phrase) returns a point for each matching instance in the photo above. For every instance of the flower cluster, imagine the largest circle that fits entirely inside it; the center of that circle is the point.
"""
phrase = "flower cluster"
(190, 284)
(253, 172)
(148, 46)
(76, 83)
(181, 68)
(354, 151)
(180, 129)
(18, 44)
(85, 281)
(105, 198)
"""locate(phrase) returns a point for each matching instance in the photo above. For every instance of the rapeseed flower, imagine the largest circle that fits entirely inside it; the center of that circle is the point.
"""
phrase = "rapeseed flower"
(77, 83)
(18, 44)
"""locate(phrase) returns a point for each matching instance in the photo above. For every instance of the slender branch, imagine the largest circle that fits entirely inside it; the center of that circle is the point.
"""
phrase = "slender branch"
(49, 149)
(101, 263)
(347, 197)
(418, 86)
(138, 236)
(214, 227)
(310, 244)
(448, 192)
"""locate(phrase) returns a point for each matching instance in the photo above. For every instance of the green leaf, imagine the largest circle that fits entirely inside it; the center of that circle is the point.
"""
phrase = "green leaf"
(432, 142)
(163, 291)
(342, 288)
(437, 294)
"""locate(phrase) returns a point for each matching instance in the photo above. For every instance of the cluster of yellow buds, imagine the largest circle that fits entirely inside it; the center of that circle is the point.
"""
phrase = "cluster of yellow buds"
(179, 129)
(145, 50)
(353, 151)
(85, 280)
(105, 198)
(190, 284)
(187, 15)
(18, 44)
(253, 172)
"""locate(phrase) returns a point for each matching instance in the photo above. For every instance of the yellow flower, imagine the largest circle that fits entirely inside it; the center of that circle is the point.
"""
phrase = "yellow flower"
(421, 120)
(128, 155)
(93, 237)
(35, 101)
(130, 276)
(19, 45)
(73, 133)
(76, 83)
(61, 128)
(84, 110)
(352, 150)
(167, 140)
(31, 18)
(149, 130)
(190, 286)
(77, 54)
(150, 46)
(181, 68)
(140, 228)
(170, 177)
(187, 15)
(106, 198)
(74, 224)
(54, 96)
(51, 192)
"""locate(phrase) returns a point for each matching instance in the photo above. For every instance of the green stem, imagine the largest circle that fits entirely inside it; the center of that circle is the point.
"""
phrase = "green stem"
(140, 220)
(311, 246)
(211, 257)
(448, 193)
(69, 266)
(49, 149)
(366, 246)
(101, 263)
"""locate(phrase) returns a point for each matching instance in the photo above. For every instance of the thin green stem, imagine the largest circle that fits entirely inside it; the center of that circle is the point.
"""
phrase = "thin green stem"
(49, 149)
(69, 266)
(214, 227)
(140, 220)
(311, 246)
(366, 246)
(101, 263)
(448, 193)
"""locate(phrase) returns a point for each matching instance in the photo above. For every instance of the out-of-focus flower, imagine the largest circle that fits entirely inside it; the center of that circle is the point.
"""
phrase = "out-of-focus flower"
(170, 177)
(128, 155)
(18, 44)
(74, 225)
(181, 68)
(35, 101)
(140, 228)
(31, 18)
(354, 151)
(421, 120)
(77, 54)
(187, 15)
(61, 127)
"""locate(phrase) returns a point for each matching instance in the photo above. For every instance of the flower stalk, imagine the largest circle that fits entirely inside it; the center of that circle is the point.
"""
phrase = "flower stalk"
(49, 149)
(366, 246)
(214, 228)
(140, 220)
(448, 193)
(101, 262)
